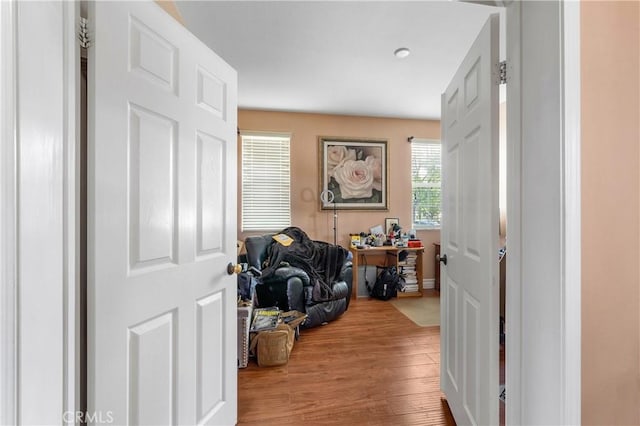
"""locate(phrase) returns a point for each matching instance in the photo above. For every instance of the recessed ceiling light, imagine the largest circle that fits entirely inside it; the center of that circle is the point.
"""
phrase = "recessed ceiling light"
(402, 52)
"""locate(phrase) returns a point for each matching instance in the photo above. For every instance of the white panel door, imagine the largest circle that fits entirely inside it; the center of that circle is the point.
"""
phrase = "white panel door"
(162, 222)
(469, 317)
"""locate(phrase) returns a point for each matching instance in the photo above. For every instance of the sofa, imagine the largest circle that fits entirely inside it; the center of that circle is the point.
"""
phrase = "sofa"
(312, 277)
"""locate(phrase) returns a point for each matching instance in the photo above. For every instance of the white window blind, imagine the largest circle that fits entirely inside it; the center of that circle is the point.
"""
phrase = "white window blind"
(266, 182)
(426, 183)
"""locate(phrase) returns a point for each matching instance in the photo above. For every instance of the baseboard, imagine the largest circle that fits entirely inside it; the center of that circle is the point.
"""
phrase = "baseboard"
(428, 283)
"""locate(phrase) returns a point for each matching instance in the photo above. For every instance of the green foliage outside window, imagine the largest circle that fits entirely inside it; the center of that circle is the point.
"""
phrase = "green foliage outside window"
(426, 174)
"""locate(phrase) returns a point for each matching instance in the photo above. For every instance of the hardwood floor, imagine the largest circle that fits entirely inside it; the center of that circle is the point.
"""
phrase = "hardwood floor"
(372, 366)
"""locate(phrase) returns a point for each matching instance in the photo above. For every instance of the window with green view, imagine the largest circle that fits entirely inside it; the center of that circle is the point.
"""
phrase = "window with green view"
(425, 183)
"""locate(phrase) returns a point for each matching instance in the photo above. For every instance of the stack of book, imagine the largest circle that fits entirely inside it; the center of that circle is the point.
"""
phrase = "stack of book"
(408, 272)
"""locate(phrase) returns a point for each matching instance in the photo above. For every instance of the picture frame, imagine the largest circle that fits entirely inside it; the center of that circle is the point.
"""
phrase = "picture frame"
(353, 173)
(389, 222)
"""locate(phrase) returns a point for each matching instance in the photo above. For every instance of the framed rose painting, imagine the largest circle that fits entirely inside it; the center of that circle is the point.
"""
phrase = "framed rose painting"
(353, 173)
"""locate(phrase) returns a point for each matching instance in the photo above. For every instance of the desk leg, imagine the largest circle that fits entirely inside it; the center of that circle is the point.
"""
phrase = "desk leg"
(354, 277)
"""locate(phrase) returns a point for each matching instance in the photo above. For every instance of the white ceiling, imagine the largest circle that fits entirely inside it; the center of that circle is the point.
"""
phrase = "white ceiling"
(337, 57)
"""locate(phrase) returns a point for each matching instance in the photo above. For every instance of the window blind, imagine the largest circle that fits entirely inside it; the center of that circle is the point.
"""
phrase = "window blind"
(266, 182)
(426, 183)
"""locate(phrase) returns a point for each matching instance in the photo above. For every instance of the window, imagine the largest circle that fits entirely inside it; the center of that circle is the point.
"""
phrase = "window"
(266, 170)
(425, 183)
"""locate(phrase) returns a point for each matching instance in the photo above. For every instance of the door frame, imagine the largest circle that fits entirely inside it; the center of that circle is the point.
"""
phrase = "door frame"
(552, 396)
(572, 241)
(8, 217)
(521, 386)
(66, 388)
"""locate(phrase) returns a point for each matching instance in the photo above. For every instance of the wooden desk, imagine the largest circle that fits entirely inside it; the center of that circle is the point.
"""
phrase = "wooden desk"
(390, 254)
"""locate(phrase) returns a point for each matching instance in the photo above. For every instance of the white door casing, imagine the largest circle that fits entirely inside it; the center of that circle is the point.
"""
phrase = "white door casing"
(543, 213)
(161, 222)
(37, 213)
(469, 315)
(8, 215)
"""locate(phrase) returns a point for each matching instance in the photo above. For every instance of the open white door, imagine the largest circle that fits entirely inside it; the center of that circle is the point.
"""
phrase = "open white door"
(162, 222)
(469, 280)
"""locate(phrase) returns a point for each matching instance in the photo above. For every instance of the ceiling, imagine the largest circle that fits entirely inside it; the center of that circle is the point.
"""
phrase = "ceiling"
(336, 57)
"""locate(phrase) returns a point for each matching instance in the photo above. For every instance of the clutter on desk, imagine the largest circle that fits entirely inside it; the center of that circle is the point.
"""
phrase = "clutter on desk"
(394, 239)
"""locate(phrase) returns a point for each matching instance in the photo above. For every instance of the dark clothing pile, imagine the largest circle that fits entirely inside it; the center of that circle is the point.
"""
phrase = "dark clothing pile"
(322, 261)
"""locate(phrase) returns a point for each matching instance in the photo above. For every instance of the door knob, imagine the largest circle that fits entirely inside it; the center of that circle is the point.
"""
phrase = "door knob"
(234, 269)
(443, 259)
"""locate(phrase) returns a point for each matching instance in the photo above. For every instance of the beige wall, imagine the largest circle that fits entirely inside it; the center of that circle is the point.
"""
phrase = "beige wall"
(305, 129)
(610, 77)
(169, 6)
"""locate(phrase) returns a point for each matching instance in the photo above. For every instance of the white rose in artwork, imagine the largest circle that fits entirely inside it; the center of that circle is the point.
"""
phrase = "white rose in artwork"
(355, 179)
(375, 164)
(336, 155)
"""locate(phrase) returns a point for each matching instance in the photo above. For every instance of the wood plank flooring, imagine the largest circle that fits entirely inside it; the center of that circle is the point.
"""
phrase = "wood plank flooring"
(372, 366)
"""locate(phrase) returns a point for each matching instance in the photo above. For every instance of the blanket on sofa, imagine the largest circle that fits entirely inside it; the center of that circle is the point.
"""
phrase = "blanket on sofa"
(322, 261)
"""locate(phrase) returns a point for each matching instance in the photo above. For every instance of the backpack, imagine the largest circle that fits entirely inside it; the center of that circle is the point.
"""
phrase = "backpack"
(387, 285)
